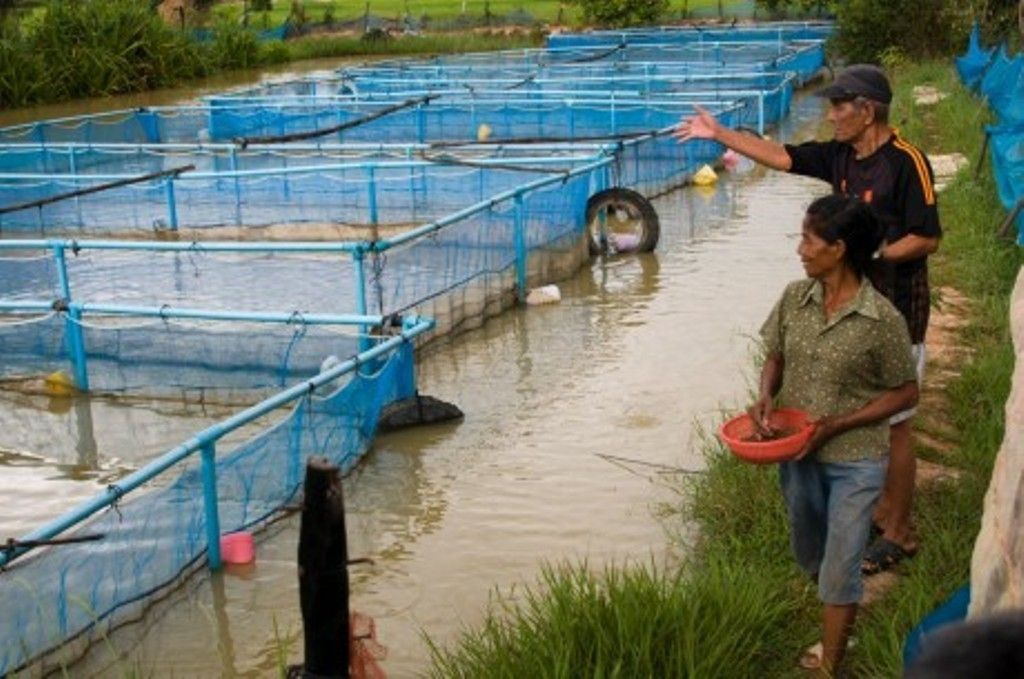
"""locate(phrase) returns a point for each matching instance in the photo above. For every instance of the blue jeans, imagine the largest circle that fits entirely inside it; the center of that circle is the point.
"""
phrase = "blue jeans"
(829, 506)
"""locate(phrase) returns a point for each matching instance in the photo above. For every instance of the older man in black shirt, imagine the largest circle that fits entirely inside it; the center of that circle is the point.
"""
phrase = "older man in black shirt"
(867, 158)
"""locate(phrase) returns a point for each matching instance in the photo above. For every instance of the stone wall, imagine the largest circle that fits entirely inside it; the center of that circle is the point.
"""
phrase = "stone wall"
(997, 568)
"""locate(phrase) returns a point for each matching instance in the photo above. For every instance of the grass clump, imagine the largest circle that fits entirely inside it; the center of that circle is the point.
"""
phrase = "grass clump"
(635, 622)
(81, 49)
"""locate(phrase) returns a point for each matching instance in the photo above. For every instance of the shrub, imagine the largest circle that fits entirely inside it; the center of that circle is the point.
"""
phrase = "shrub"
(619, 13)
(865, 29)
(234, 46)
(90, 48)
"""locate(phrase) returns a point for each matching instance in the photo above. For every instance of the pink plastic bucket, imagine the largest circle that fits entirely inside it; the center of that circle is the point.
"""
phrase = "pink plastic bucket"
(237, 548)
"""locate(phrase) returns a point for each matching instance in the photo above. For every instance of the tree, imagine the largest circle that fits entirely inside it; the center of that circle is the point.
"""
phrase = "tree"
(618, 13)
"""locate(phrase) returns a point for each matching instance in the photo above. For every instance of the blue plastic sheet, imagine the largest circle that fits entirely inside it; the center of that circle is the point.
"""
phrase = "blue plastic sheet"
(1007, 149)
(999, 78)
(972, 64)
(1003, 86)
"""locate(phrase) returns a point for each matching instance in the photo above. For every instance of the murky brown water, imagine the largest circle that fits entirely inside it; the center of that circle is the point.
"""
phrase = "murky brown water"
(576, 413)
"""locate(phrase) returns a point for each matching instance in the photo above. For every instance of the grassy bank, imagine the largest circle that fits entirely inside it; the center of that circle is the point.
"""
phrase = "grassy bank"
(972, 261)
(59, 51)
(89, 49)
(453, 12)
(738, 607)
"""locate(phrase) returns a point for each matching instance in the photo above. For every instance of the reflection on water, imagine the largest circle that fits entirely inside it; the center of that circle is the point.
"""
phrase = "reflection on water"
(58, 451)
(573, 414)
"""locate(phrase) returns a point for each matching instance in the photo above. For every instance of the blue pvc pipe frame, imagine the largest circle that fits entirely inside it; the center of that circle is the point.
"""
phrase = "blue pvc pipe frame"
(205, 442)
(199, 314)
(351, 246)
(519, 219)
(76, 339)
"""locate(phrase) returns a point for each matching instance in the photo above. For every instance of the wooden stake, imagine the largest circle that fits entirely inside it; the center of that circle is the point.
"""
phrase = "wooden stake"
(323, 573)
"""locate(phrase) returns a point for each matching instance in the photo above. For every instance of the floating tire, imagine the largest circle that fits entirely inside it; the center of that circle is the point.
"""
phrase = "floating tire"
(630, 222)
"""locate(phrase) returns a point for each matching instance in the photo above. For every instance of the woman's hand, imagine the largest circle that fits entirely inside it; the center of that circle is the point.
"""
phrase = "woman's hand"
(760, 412)
(824, 429)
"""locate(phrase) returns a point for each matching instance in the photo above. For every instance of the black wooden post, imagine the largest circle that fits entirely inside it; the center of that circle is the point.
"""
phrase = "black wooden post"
(323, 572)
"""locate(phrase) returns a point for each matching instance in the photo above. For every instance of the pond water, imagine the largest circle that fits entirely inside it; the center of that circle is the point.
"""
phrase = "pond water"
(580, 418)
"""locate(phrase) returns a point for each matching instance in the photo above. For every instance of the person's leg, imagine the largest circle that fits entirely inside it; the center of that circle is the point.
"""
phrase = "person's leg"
(899, 487)
(837, 623)
(853, 490)
(893, 514)
(806, 505)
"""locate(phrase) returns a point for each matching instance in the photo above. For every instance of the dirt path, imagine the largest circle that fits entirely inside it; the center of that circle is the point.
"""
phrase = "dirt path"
(933, 433)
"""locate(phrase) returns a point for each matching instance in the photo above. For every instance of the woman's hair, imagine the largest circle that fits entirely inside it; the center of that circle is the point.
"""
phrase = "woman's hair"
(833, 218)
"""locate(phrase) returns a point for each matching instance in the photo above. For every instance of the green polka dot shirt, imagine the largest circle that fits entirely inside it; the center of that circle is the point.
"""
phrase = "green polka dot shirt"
(837, 365)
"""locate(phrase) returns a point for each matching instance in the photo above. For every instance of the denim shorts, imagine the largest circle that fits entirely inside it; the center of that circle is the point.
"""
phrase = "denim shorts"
(829, 506)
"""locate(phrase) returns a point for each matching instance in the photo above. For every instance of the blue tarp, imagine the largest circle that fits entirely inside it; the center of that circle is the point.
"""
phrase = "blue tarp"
(1000, 79)
(277, 33)
(954, 609)
(1003, 86)
(971, 66)
(1007, 146)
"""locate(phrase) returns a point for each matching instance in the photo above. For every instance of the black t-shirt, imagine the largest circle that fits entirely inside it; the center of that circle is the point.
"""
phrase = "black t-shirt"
(897, 181)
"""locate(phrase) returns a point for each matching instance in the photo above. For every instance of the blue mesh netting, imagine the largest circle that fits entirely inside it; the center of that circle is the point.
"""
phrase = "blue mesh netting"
(151, 356)
(370, 86)
(1007, 144)
(139, 126)
(152, 538)
(339, 193)
(481, 245)
(171, 357)
(780, 31)
(329, 194)
(692, 52)
(649, 70)
(445, 120)
(764, 106)
(972, 64)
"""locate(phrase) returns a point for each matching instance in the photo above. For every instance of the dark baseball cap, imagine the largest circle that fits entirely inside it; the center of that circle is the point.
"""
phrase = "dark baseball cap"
(859, 80)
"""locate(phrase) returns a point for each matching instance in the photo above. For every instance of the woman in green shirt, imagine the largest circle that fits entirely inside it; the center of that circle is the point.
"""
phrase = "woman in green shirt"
(839, 350)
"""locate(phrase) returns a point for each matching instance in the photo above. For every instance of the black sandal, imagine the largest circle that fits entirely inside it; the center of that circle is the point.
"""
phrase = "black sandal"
(882, 555)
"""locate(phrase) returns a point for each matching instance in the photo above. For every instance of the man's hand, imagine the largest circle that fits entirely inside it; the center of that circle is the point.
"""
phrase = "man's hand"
(701, 125)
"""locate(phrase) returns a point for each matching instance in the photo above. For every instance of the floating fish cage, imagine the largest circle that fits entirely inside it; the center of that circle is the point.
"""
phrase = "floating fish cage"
(286, 247)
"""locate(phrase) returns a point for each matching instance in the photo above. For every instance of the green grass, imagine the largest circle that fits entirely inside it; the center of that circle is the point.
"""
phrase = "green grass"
(449, 11)
(635, 622)
(441, 10)
(738, 571)
(315, 47)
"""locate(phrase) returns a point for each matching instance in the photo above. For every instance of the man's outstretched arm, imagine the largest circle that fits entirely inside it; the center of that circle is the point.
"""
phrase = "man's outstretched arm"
(703, 125)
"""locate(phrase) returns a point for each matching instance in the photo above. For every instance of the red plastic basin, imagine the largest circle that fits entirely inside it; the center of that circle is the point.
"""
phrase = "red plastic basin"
(741, 427)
